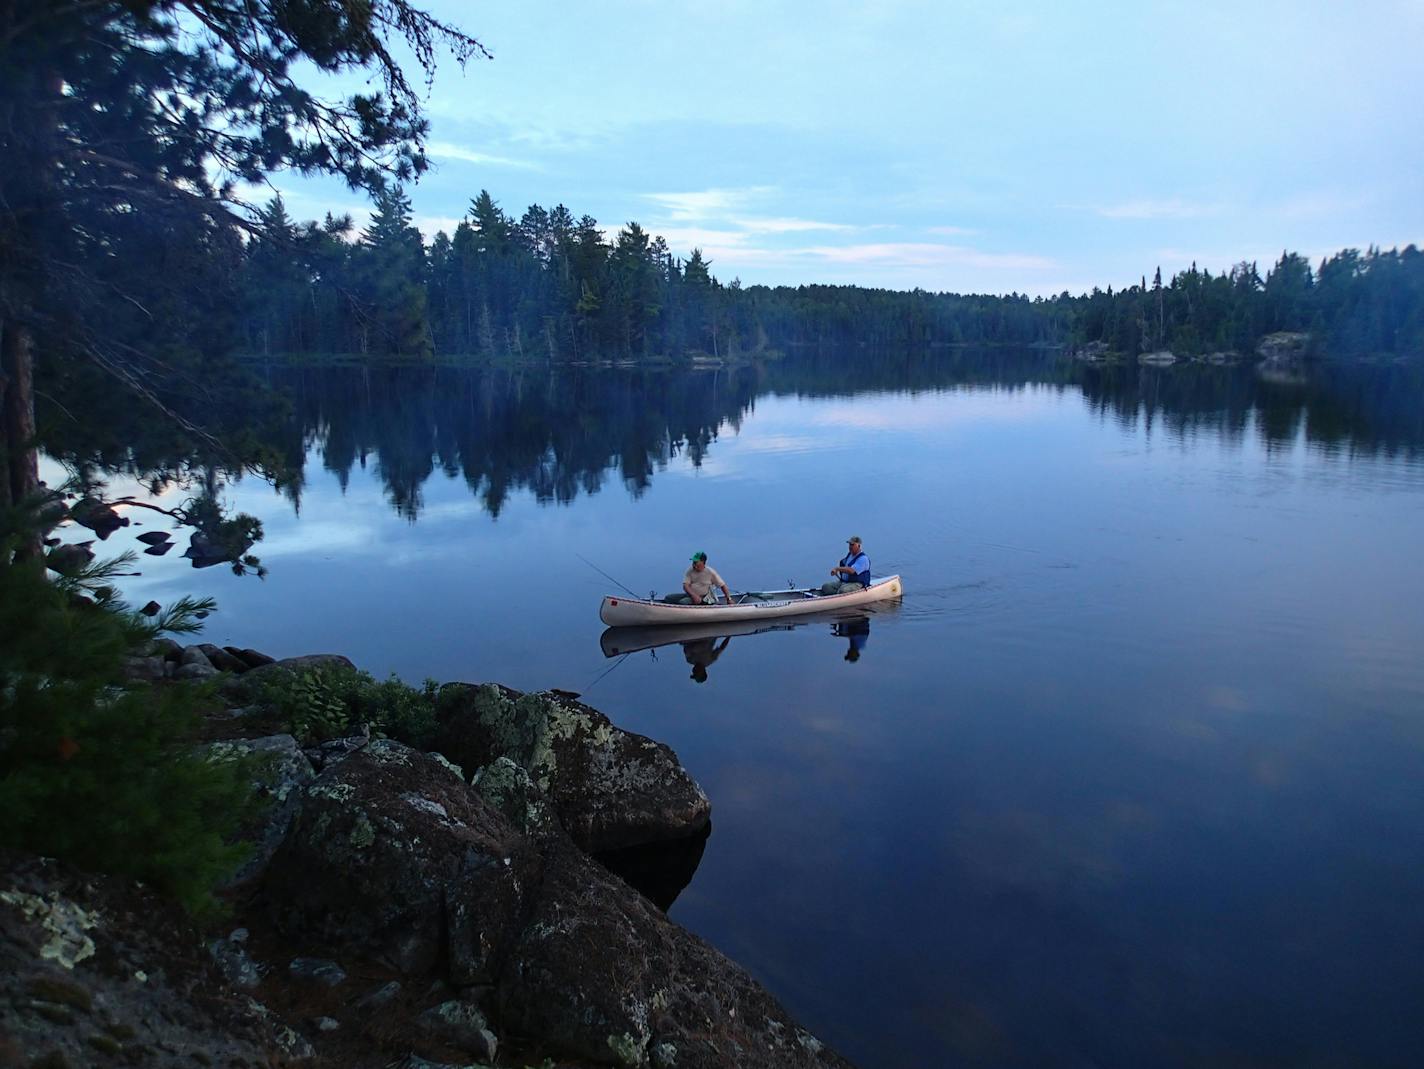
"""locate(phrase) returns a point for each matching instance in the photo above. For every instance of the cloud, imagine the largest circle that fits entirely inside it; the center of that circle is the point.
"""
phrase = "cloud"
(707, 203)
(430, 225)
(729, 206)
(1171, 208)
(788, 226)
(696, 237)
(925, 254)
(445, 150)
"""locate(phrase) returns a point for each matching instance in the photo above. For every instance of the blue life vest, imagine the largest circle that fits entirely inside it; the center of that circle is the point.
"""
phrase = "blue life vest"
(861, 563)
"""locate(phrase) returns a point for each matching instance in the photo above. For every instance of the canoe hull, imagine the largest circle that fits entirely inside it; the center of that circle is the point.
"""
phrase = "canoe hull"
(637, 612)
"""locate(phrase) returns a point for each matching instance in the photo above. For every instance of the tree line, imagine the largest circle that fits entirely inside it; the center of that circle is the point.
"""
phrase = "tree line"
(551, 286)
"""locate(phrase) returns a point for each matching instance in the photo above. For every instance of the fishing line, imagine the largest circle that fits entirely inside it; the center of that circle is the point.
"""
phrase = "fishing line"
(607, 670)
(605, 575)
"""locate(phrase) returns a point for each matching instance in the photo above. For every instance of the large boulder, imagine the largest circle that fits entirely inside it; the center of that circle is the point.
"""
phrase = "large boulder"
(97, 971)
(609, 788)
(393, 859)
(281, 771)
(601, 974)
(221, 659)
(310, 661)
(1284, 347)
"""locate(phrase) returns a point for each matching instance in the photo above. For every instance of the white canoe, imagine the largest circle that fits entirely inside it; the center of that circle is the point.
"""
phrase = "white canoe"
(754, 605)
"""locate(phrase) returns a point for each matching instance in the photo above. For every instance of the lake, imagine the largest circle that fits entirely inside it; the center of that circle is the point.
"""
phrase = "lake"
(1132, 776)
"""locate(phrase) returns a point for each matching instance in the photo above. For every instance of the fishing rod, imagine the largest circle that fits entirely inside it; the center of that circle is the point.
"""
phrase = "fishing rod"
(616, 664)
(605, 575)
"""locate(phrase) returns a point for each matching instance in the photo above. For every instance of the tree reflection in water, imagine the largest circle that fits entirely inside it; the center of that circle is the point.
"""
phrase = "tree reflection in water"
(557, 431)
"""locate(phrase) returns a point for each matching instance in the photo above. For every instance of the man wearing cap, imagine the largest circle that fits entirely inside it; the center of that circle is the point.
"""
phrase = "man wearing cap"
(855, 565)
(699, 580)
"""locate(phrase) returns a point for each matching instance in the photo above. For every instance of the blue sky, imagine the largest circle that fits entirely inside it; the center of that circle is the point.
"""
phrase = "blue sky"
(967, 147)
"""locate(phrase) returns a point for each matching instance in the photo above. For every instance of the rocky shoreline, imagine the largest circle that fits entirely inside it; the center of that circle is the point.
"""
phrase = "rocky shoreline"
(1281, 349)
(402, 906)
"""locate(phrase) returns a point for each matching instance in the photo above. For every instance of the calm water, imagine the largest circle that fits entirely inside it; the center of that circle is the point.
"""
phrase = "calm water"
(1132, 776)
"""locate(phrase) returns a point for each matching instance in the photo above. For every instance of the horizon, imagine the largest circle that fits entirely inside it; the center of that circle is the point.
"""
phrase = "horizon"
(1050, 153)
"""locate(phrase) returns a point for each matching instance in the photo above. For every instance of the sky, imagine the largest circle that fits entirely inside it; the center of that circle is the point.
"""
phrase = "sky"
(968, 147)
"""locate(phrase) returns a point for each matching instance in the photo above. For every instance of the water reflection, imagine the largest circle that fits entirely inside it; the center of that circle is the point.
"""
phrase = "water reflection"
(1153, 711)
(702, 653)
(620, 641)
(555, 432)
(659, 871)
(702, 645)
(559, 432)
(857, 633)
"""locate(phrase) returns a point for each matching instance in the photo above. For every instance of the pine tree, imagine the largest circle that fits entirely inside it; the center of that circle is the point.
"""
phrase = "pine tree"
(391, 270)
(115, 121)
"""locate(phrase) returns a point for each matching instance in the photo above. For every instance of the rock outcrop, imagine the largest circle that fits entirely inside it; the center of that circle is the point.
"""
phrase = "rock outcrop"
(607, 977)
(395, 865)
(610, 788)
(403, 907)
(392, 859)
(1284, 347)
(94, 971)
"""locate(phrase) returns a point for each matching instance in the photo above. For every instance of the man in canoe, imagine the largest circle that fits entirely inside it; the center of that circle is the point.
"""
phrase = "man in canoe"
(853, 568)
(700, 578)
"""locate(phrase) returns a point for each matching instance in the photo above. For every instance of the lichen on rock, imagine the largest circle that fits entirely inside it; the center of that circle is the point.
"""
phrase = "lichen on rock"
(64, 922)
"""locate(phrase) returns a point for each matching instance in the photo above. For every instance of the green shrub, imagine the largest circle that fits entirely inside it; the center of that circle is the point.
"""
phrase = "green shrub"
(94, 770)
(325, 703)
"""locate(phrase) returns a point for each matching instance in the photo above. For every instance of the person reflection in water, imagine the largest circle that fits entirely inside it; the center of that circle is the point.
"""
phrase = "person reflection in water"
(700, 653)
(857, 632)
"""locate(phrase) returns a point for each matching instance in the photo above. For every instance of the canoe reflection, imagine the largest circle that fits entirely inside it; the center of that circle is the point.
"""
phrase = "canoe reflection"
(703, 644)
(617, 641)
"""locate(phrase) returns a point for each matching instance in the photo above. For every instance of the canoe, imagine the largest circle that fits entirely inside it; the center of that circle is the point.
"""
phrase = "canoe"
(618, 611)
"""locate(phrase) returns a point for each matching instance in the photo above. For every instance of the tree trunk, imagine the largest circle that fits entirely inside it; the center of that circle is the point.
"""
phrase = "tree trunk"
(17, 363)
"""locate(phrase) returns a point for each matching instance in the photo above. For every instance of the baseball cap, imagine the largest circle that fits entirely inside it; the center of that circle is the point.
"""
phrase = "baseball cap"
(852, 538)
(699, 555)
